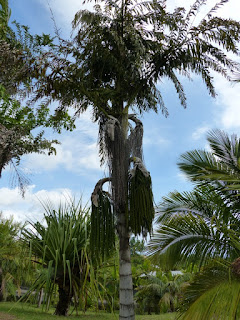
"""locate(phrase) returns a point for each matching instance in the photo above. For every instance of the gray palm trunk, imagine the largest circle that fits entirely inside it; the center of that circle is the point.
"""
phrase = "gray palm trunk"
(125, 273)
(120, 167)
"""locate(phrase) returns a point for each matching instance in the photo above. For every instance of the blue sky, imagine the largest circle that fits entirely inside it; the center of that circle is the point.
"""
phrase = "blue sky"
(75, 169)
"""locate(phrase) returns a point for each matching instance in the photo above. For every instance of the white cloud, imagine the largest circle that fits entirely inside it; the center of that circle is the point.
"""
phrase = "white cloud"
(182, 176)
(228, 104)
(200, 132)
(153, 137)
(29, 207)
(64, 11)
(207, 147)
(152, 140)
(77, 152)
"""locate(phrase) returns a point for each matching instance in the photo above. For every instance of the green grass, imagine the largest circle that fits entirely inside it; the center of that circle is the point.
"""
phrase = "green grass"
(25, 312)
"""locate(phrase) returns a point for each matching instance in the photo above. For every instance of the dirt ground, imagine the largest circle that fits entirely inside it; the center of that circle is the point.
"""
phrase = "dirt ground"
(5, 316)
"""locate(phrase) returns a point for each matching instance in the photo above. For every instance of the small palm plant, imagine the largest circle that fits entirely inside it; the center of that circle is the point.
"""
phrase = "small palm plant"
(162, 292)
(59, 245)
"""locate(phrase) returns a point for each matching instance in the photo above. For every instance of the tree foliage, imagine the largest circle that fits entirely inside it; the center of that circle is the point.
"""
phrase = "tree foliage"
(59, 246)
(202, 228)
(195, 227)
(118, 54)
(219, 166)
(21, 123)
(9, 255)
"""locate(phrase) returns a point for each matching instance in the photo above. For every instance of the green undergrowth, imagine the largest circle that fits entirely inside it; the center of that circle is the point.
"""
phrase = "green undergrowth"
(26, 312)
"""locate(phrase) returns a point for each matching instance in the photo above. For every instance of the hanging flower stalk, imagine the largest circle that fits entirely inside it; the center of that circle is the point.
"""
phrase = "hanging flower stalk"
(140, 199)
(102, 237)
(140, 210)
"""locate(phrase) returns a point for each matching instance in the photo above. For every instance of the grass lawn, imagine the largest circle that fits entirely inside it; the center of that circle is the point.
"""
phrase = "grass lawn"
(24, 312)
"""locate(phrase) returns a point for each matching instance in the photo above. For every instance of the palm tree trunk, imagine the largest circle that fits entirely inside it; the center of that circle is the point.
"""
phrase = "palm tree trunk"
(40, 298)
(120, 166)
(64, 301)
(125, 273)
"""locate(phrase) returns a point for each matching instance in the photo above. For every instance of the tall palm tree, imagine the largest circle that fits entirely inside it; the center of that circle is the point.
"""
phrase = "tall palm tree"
(114, 63)
(59, 246)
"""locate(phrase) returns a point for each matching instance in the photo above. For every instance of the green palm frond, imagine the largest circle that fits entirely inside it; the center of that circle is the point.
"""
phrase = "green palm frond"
(226, 149)
(186, 239)
(203, 201)
(200, 164)
(195, 227)
(220, 166)
(213, 294)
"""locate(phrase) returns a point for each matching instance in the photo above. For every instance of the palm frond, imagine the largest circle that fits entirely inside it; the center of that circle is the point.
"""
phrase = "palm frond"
(214, 293)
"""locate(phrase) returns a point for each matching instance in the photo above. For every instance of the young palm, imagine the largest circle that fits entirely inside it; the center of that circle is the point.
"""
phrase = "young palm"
(59, 245)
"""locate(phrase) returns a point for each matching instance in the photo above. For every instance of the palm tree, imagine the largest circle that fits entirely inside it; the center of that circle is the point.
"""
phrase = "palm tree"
(213, 293)
(59, 246)
(202, 228)
(161, 292)
(196, 227)
(114, 63)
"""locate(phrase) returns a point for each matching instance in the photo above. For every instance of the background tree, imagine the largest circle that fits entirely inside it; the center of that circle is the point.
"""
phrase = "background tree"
(113, 65)
(9, 253)
(21, 124)
(60, 248)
